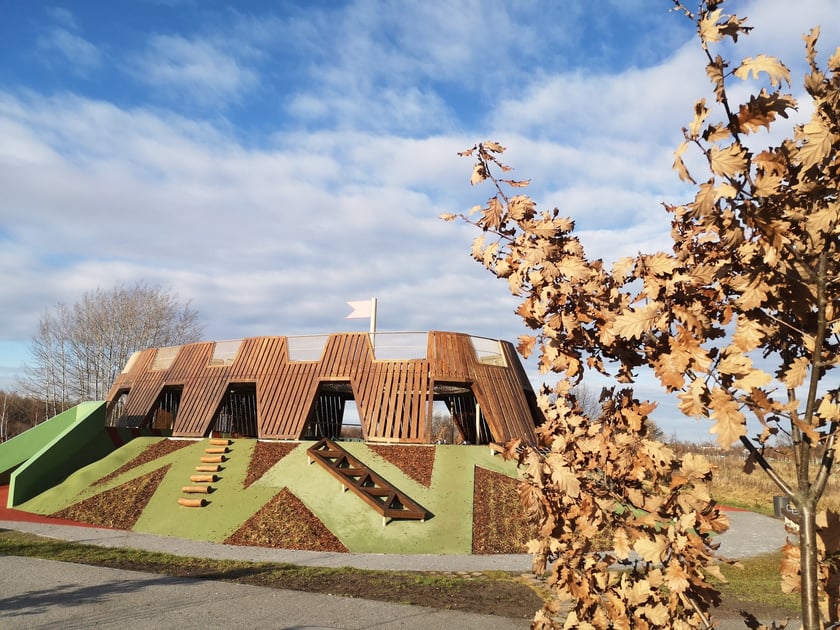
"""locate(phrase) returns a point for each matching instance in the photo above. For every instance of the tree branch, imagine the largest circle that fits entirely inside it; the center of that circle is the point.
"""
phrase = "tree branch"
(765, 465)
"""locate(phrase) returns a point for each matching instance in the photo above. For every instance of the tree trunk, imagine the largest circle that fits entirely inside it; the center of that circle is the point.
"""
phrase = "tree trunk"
(808, 565)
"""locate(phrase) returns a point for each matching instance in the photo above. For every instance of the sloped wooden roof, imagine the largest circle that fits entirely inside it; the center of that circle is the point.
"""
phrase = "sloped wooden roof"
(394, 397)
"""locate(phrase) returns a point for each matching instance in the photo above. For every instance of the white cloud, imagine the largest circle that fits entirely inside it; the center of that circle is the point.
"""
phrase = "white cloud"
(244, 233)
(193, 69)
(77, 53)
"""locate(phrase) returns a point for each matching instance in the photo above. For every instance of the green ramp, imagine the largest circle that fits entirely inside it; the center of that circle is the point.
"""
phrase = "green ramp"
(74, 439)
(20, 448)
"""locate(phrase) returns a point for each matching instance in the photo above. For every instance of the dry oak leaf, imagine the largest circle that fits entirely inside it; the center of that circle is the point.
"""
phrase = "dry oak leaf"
(807, 429)
(816, 143)
(728, 161)
(517, 183)
(692, 401)
(679, 164)
(829, 410)
(714, 70)
(489, 255)
(752, 379)
(766, 185)
(622, 267)
(634, 324)
(695, 466)
(534, 467)
(562, 476)
(660, 264)
(492, 215)
(658, 615)
(796, 372)
(763, 109)
(748, 334)
(704, 200)
(526, 345)
(734, 363)
(753, 292)
(574, 268)
(701, 113)
(479, 174)
(730, 423)
(772, 163)
(789, 568)
(709, 30)
(521, 207)
(775, 69)
(493, 147)
(715, 572)
(651, 549)
(637, 592)
(478, 247)
(824, 221)
(621, 544)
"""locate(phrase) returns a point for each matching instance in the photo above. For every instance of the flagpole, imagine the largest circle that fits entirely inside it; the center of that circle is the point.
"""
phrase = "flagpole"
(373, 324)
(372, 316)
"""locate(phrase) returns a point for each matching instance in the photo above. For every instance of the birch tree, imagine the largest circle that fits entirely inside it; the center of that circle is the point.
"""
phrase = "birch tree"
(79, 350)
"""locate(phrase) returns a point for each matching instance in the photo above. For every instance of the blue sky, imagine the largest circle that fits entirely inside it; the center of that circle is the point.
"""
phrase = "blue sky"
(269, 161)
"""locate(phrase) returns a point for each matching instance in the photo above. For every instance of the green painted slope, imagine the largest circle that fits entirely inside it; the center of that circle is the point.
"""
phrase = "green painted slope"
(21, 447)
(82, 441)
(449, 498)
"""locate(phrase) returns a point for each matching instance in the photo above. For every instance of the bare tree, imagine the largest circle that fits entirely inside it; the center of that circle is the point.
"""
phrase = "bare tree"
(4, 418)
(79, 349)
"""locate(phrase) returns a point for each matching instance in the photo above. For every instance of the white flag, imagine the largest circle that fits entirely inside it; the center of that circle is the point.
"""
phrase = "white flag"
(361, 309)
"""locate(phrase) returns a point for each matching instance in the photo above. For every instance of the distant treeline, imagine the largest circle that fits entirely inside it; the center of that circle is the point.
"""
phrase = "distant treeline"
(19, 413)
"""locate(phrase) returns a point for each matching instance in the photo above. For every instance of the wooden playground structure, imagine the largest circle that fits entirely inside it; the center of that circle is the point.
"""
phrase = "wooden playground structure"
(298, 388)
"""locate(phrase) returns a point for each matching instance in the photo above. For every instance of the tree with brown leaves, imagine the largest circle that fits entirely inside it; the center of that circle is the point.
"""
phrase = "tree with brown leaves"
(740, 319)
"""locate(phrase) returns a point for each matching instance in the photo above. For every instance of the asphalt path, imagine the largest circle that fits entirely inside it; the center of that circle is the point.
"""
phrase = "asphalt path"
(38, 593)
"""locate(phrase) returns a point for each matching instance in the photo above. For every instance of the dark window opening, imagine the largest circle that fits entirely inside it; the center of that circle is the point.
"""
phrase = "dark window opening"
(460, 419)
(162, 415)
(326, 416)
(237, 413)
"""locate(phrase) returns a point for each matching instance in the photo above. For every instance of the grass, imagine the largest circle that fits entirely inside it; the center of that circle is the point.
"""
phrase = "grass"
(755, 491)
(496, 593)
(758, 582)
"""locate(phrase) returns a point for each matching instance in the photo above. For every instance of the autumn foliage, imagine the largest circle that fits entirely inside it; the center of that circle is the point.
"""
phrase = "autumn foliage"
(741, 319)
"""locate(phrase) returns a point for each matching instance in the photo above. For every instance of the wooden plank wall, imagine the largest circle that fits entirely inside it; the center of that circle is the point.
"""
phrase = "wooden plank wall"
(498, 389)
(143, 391)
(394, 398)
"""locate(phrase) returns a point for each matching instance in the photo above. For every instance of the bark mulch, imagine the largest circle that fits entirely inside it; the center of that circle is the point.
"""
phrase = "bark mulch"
(499, 525)
(287, 523)
(415, 461)
(117, 508)
(153, 452)
(265, 455)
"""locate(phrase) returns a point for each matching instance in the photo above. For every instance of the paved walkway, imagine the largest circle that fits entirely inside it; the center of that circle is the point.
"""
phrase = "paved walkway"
(46, 594)
(750, 534)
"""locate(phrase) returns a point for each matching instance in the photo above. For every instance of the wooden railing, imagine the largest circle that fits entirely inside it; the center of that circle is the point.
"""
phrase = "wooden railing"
(368, 486)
